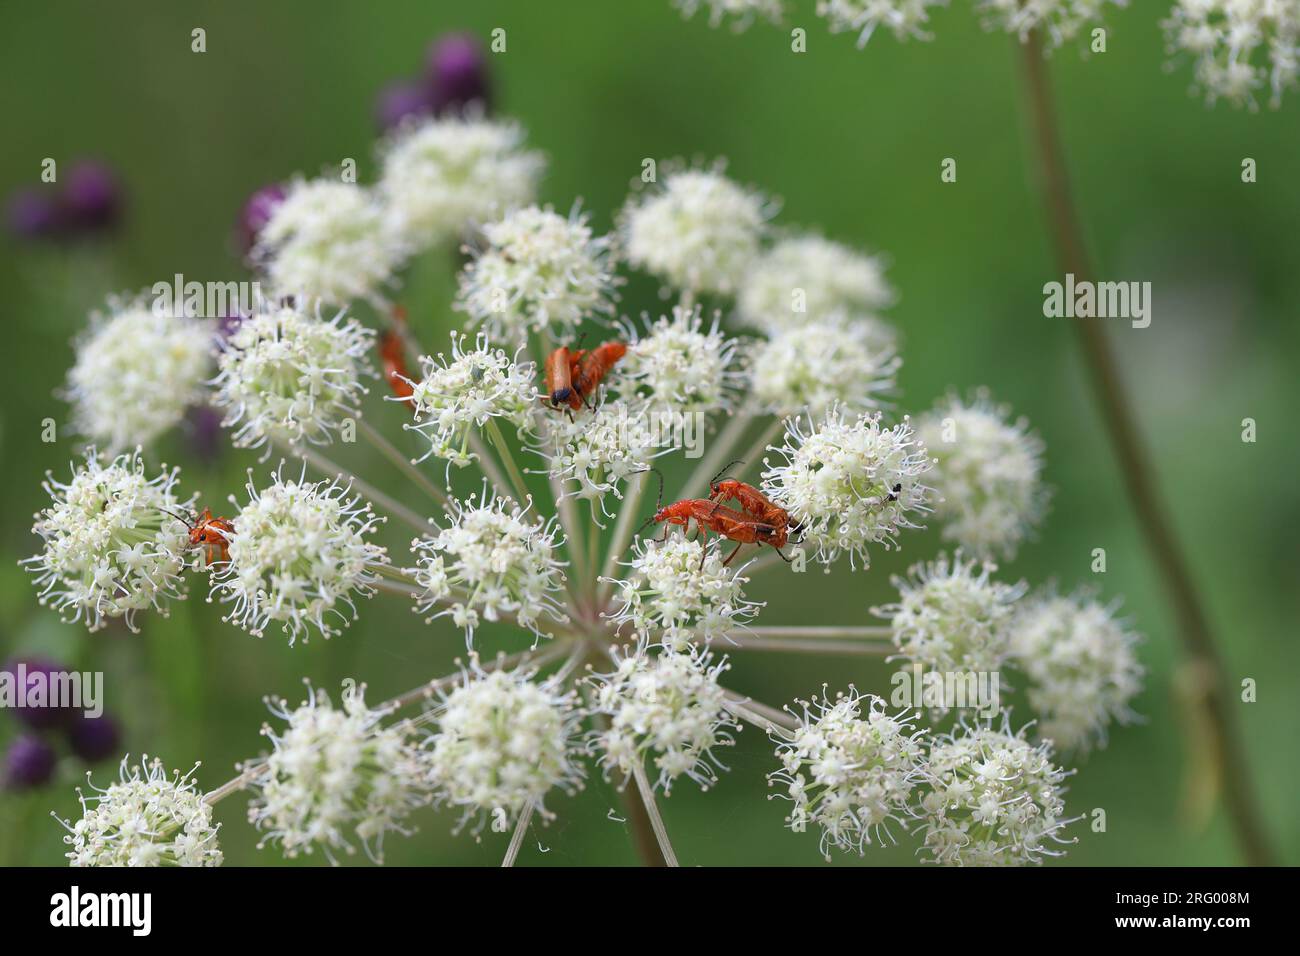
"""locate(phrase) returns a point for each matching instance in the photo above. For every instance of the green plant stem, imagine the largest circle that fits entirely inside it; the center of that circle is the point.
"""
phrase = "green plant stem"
(1114, 403)
(408, 467)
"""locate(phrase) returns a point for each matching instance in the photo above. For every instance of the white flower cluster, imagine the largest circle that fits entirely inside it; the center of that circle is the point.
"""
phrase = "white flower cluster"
(1059, 20)
(537, 271)
(849, 483)
(503, 743)
(297, 555)
(328, 240)
(668, 705)
(1082, 667)
(952, 617)
(1239, 46)
(598, 451)
(991, 799)
(136, 373)
(457, 395)
(827, 362)
(849, 772)
(987, 474)
(146, 818)
(697, 230)
(336, 771)
(903, 18)
(286, 376)
(680, 588)
(741, 12)
(681, 366)
(113, 544)
(490, 560)
(446, 175)
(806, 278)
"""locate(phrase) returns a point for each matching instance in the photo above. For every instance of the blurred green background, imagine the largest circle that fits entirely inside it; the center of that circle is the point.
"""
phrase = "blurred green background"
(852, 142)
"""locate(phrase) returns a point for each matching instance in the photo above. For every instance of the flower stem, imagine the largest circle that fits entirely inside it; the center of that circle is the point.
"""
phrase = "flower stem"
(384, 500)
(517, 840)
(652, 812)
(498, 441)
(722, 446)
(628, 512)
(389, 451)
(1112, 397)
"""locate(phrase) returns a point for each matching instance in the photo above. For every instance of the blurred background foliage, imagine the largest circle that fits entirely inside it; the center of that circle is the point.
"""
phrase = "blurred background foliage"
(852, 143)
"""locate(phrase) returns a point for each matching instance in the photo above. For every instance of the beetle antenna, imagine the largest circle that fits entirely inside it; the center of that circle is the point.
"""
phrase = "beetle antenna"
(725, 469)
(181, 518)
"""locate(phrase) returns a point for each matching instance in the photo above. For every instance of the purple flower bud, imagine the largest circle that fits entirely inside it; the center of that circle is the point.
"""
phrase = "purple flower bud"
(204, 431)
(32, 707)
(29, 763)
(94, 738)
(458, 73)
(401, 100)
(34, 213)
(256, 213)
(92, 198)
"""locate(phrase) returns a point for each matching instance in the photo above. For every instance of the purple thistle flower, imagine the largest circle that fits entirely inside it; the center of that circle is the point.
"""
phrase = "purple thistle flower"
(255, 214)
(92, 198)
(36, 674)
(34, 213)
(29, 763)
(458, 73)
(399, 101)
(95, 738)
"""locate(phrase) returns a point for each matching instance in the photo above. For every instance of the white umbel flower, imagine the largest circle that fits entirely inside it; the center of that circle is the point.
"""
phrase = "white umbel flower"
(1082, 667)
(849, 482)
(146, 818)
(987, 475)
(297, 555)
(503, 743)
(457, 395)
(903, 18)
(445, 175)
(680, 365)
(697, 231)
(113, 544)
(952, 617)
(336, 772)
(135, 374)
(667, 589)
(490, 560)
(992, 799)
(1238, 46)
(1060, 21)
(741, 13)
(590, 455)
(849, 768)
(667, 705)
(536, 271)
(286, 376)
(831, 361)
(805, 278)
(328, 240)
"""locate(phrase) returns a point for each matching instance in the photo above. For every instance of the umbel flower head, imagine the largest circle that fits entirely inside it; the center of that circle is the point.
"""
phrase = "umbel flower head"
(1238, 46)
(328, 240)
(113, 544)
(829, 362)
(952, 617)
(669, 706)
(1082, 667)
(337, 772)
(991, 798)
(458, 395)
(287, 376)
(136, 373)
(597, 452)
(490, 560)
(537, 271)
(849, 482)
(146, 818)
(806, 278)
(849, 768)
(297, 555)
(680, 366)
(697, 231)
(903, 18)
(503, 743)
(670, 589)
(740, 12)
(987, 474)
(444, 175)
(1060, 21)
